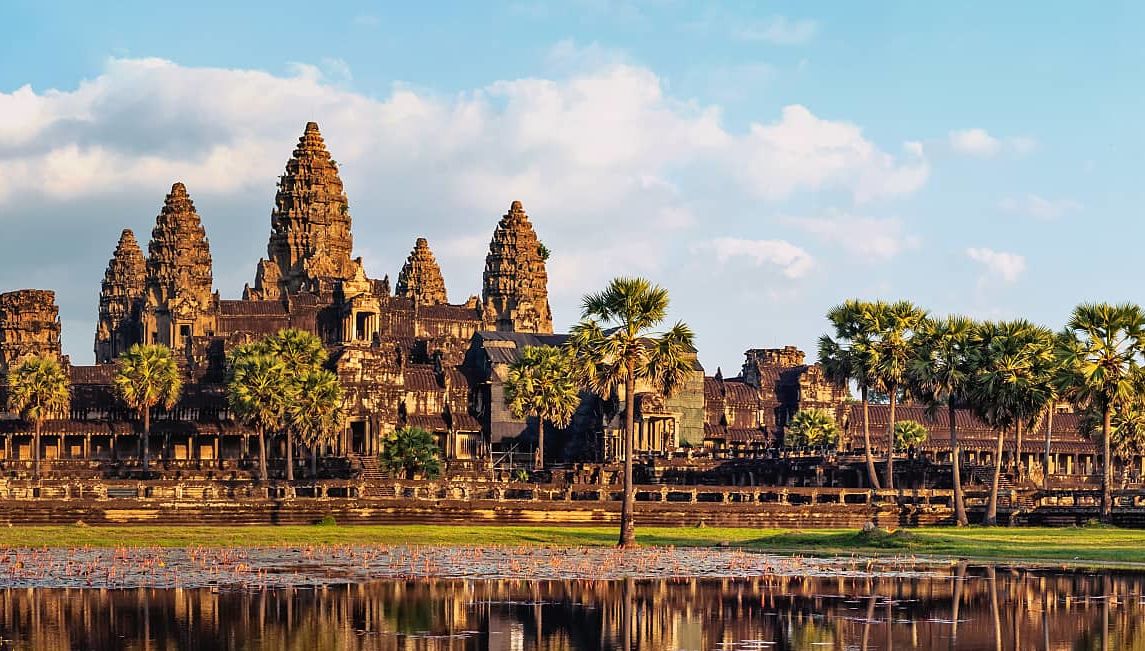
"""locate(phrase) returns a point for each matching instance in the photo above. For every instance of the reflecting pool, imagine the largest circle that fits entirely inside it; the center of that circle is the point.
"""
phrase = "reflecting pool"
(957, 607)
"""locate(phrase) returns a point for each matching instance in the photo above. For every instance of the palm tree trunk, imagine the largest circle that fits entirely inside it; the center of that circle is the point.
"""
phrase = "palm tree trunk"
(1016, 462)
(1106, 465)
(992, 505)
(874, 476)
(262, 454)
(36, 427)
(146, 442)
(956, 468)
(314, 460)
(890, 483)
(1046, 456)
(539, 463)
(628, 504)
(289, 455)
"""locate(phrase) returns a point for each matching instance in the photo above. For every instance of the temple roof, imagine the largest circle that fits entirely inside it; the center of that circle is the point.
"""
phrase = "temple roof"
(179, 254)
(420, 279)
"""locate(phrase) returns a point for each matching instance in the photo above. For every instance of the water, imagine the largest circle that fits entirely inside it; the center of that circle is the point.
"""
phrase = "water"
(956, 607)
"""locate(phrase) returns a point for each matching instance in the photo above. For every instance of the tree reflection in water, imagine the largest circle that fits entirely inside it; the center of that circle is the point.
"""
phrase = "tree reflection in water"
(968, 607)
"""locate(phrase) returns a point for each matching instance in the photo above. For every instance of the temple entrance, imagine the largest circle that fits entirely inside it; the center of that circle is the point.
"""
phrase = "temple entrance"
(358, 437)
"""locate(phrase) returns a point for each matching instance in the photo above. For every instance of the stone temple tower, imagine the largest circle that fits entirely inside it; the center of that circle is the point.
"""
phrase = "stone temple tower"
(310, 226)
(420, 279)
(178, 300)
(120, 300)
(29, 325)
(515, 287)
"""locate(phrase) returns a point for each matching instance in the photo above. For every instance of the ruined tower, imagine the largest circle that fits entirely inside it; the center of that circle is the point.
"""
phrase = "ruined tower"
(120, 299)
(514, 294)
(420, 279)
(29, 326)
(310, 225)
(178, 301)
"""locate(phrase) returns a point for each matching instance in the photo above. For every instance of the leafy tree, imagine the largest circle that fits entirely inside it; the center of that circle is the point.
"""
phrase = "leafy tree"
(317, 412)
(1010, 360)
(894, 344)
(541, 384)
(910, 434)
(811, 428)
(850, 356)
(301, 354)
(1103, 359)
(629, 351)
(939, 375)
(147, 376)
(411, 450)
(258, 391)
(38, 387)
(1127, 427)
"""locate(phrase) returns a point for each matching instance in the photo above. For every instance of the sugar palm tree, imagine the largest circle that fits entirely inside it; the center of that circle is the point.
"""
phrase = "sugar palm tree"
(411, 451)
(1102, 362)
(258, 392)
(811, 427)
(541, 384)
(628, 352)
(301, 353)
(849, 357)
(894, 343)
(910, 434)
(1127, 428)
(38, 387)
(147, 376)
(939, 374)
(317, 411)
(1010, 359)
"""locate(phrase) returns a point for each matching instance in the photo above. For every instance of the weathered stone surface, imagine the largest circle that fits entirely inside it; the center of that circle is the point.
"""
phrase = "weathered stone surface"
(120, 299)
(515, 295)
(420, 279)
(29, 326)
(310, 226)
(178, 300)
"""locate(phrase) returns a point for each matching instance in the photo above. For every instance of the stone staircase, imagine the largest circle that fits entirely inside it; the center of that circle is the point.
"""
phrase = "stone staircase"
(374, 478)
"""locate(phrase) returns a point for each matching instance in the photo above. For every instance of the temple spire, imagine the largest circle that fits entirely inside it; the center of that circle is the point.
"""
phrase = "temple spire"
(515, 295)
(420, 279)
(310, 225)
(120, 297)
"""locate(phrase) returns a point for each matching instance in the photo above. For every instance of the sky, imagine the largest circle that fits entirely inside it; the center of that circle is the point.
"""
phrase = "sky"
(763, 161)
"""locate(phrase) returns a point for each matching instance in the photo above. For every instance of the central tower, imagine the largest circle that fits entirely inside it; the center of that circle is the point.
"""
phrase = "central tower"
(310, 226)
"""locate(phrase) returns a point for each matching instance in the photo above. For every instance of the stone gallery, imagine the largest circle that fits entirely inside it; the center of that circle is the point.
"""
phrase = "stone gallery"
(404, 354)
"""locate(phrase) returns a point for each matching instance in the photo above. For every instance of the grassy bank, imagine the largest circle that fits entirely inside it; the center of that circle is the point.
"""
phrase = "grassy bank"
(1108, 545)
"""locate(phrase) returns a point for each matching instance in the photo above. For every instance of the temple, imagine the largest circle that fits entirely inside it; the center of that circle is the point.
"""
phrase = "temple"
(406, 356)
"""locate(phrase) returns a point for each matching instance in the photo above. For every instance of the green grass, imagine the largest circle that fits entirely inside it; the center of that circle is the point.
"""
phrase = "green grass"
(1078, 545)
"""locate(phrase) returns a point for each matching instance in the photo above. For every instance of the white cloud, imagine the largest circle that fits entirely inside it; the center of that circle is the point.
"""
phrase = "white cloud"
(602, 154)
(792, 260)
(979, 142)
(805, 152)
(1000, 264)
(777, 30)
(1032, 205)
(871, 238)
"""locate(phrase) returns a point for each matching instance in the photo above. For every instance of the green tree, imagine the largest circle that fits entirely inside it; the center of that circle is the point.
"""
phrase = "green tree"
(38, 387)
(541, 384)
(849, 356)
(258, 392)
(939, 375)
(301, 354)
(910, 434)
(411, 451)
(1127, 427)
(147, 376)
(894, 345)
(1010, 360)
(811, 428)
(317, 412)
(1102, 362)
(628, 352)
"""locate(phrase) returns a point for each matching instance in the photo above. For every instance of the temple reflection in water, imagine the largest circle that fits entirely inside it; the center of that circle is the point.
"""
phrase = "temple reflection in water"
(962, 608)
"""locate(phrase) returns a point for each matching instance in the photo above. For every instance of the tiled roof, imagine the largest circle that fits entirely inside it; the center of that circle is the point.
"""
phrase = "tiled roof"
(252, 308)
(99, 374)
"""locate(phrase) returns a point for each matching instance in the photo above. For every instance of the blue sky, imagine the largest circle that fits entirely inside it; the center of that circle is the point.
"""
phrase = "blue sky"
(763, 161)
